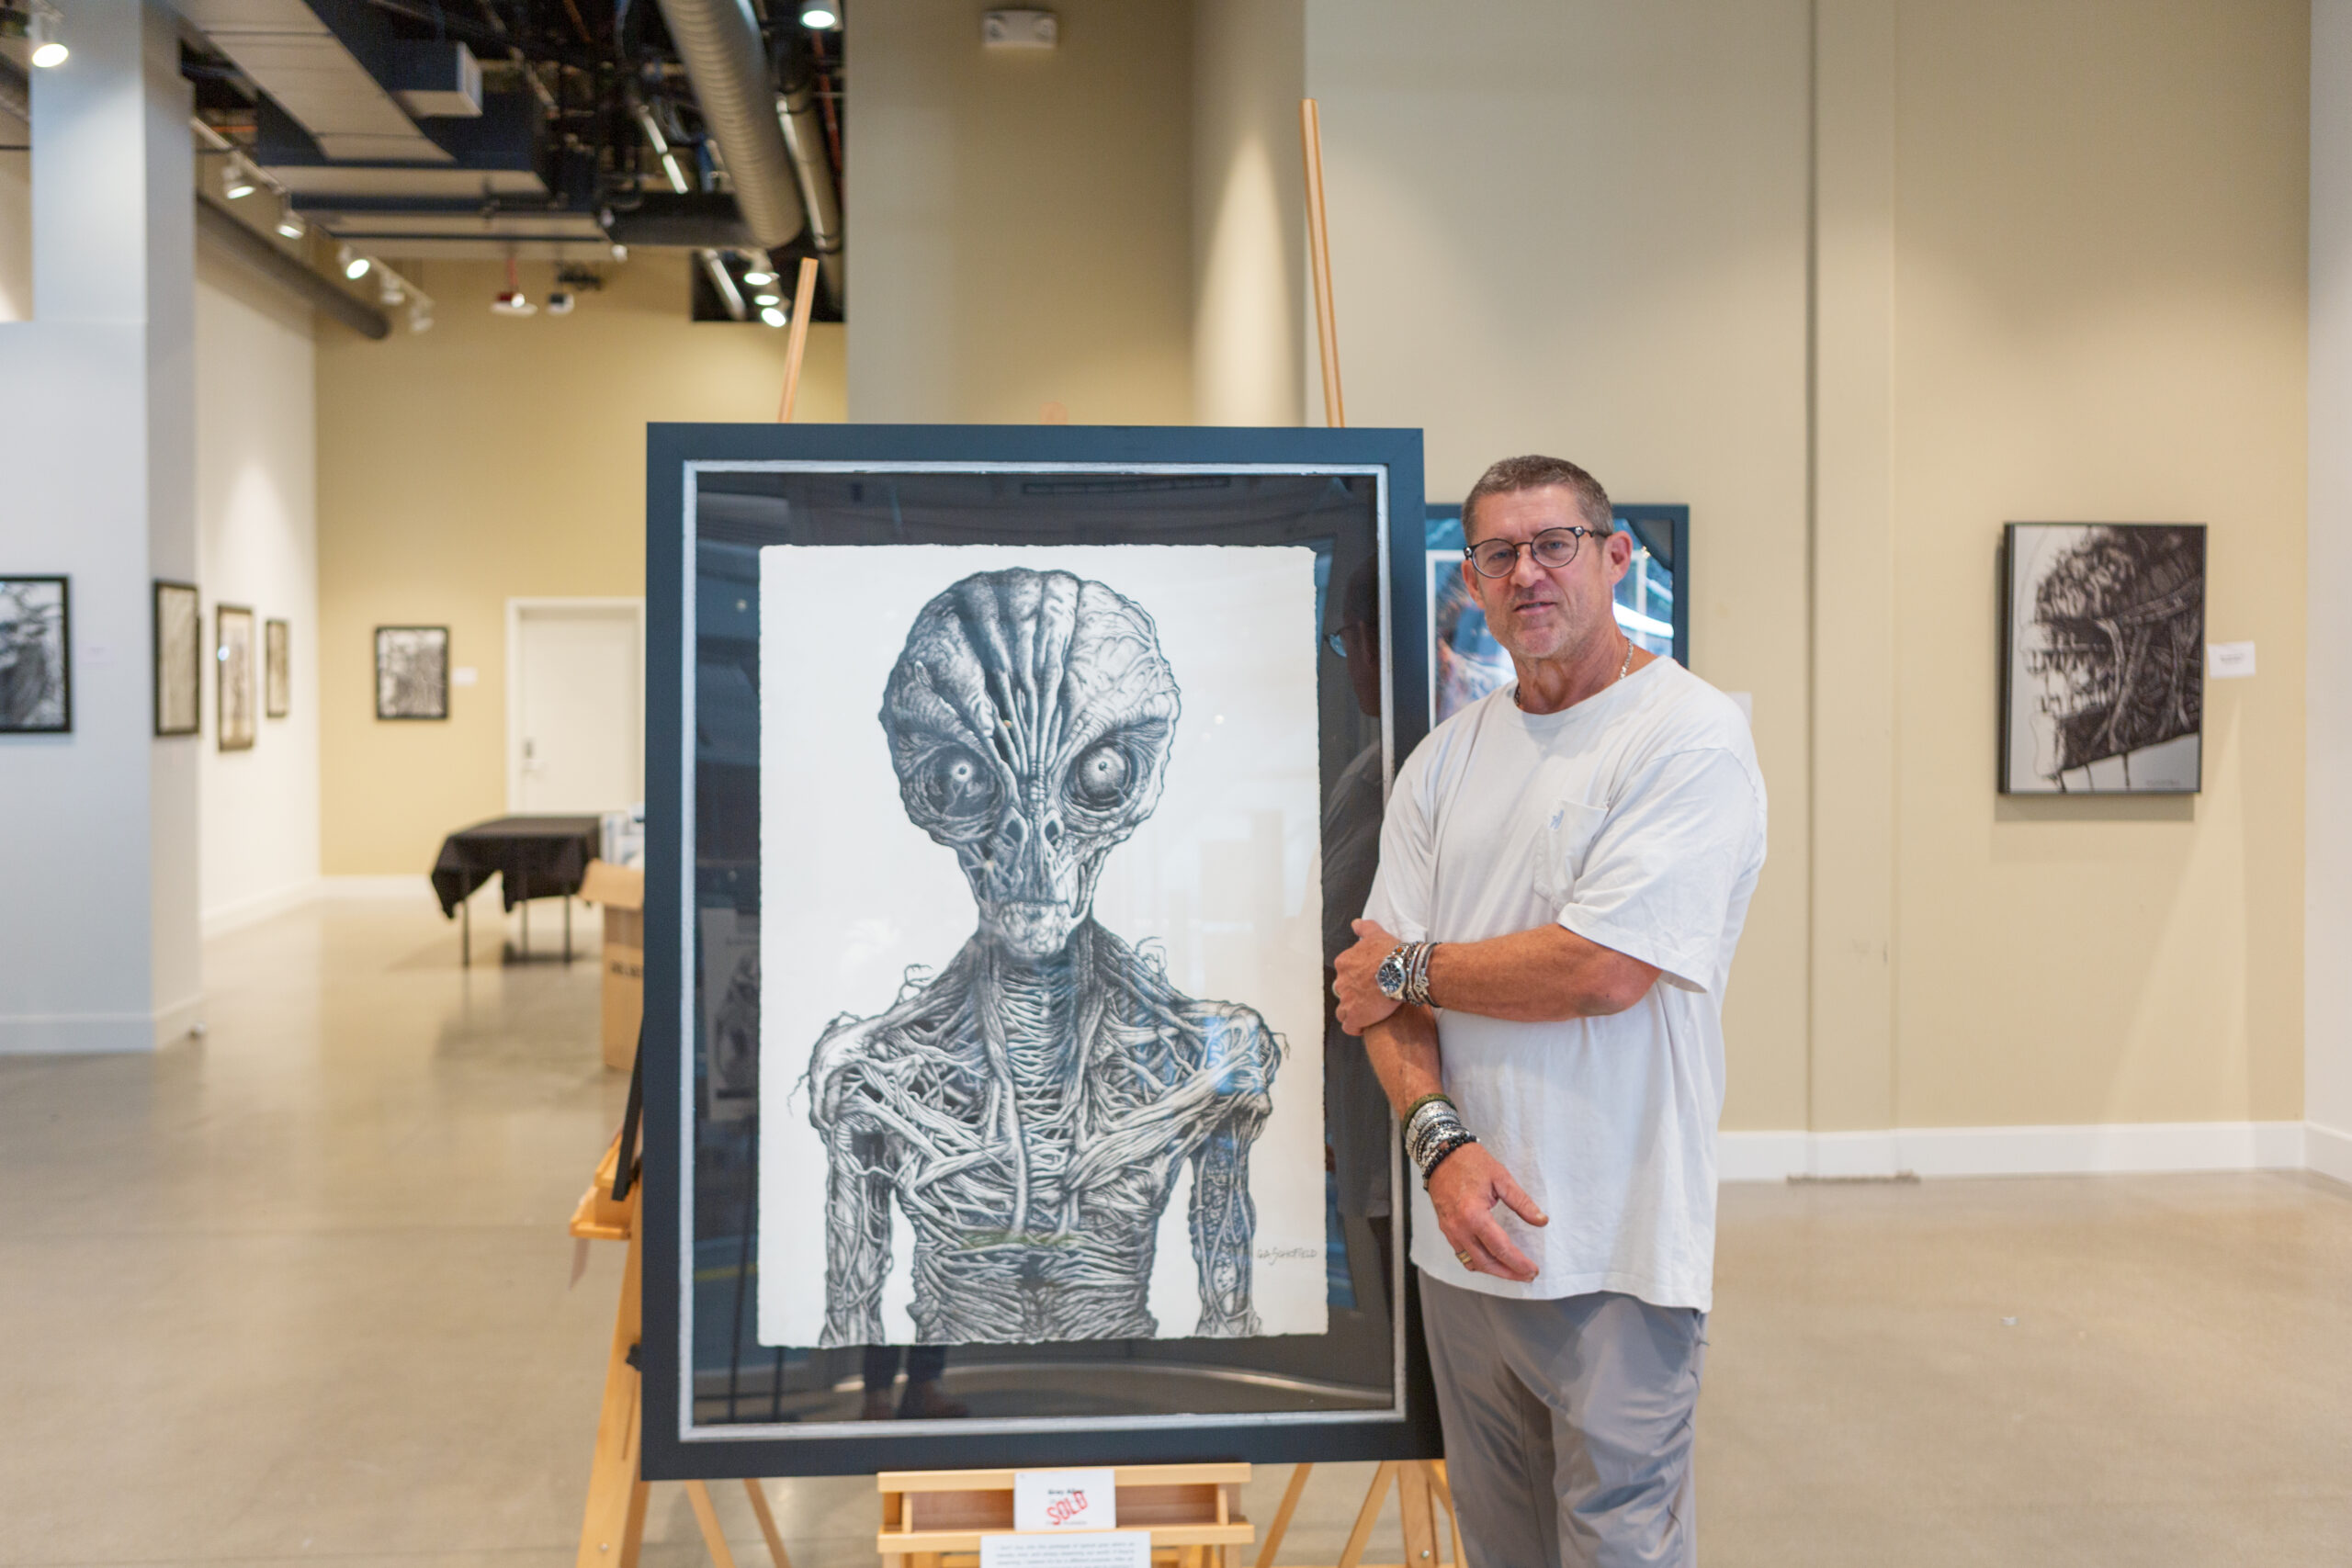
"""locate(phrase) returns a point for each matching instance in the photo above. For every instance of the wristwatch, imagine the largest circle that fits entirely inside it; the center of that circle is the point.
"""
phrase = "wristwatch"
(1395, 972)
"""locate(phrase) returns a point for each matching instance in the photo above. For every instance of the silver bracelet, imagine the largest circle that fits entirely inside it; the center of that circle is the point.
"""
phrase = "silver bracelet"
(1417, 979)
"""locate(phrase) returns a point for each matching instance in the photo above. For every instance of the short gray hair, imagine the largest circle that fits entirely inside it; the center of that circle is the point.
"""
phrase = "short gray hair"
(1537, 472)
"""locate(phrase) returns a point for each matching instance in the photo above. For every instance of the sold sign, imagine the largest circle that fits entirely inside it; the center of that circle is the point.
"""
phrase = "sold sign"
(1064, 1500)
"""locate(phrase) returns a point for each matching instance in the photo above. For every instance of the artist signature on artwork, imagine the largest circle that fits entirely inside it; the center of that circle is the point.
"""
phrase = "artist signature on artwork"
(1288, 1254)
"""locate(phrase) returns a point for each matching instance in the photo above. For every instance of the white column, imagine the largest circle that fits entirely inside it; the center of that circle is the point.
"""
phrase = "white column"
(99, 948)
(2327, 866)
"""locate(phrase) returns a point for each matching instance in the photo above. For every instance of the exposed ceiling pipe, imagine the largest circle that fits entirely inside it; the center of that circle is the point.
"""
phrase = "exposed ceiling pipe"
(719, 41)
(804, 137)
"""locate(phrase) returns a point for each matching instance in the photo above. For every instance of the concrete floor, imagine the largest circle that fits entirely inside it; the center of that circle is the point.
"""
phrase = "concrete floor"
(300, 1290)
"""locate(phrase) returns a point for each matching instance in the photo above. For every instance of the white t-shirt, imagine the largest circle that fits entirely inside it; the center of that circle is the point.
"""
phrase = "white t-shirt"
(1635, 819)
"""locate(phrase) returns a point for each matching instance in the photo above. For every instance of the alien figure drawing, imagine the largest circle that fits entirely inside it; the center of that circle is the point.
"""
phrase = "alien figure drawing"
(1074, 1104)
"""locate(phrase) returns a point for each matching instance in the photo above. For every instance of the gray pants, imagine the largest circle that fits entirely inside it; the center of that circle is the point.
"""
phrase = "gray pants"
(1568, 1427)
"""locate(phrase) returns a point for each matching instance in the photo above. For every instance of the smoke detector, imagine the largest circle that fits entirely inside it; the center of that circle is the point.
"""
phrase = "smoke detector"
(1019, 29)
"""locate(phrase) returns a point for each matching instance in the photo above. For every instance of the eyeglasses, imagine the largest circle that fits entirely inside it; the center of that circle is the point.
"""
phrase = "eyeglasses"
(1552, 549)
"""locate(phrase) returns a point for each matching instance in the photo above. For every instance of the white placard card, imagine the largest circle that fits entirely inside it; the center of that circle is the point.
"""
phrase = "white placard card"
(1065, 1499)
(1090, 1549)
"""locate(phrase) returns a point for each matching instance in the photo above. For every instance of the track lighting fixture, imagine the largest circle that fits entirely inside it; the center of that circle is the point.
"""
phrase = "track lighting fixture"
(290, 224)
(389, 290)
(765, 300)
(512, 300)
(820, 16)
(759, 277)
(773, 317)
(420, 316)
(237, 177)
(41, 32)
(354, 265)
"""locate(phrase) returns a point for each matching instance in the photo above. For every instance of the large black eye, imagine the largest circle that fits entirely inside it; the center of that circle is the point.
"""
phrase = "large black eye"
(957, 783)
(1100, 777)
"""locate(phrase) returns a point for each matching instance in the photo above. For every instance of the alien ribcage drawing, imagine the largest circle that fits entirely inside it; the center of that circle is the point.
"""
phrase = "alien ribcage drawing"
(1040, 962)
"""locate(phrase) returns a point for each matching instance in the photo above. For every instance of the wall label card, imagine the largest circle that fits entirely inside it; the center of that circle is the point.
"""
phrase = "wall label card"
(1096, 1548)
(2228, 660)
(1064, 1500)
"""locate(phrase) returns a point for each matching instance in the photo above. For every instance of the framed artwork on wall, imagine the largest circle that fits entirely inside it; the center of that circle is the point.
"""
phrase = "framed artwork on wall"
(413, 673)
(1026, 1089)
(1652, 603)
(2102, 659)
(278, 669)
(179, 659)
(36, 658)
(233, 651)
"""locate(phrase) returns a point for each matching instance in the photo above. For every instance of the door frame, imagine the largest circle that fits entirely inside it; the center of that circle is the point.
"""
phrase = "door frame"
(516, 609)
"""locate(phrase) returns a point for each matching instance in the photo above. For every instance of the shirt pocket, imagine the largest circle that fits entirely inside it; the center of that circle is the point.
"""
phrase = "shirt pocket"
(1562, 840)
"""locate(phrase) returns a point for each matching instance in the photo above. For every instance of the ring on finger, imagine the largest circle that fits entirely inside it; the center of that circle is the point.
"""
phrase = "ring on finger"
(1463, 1254)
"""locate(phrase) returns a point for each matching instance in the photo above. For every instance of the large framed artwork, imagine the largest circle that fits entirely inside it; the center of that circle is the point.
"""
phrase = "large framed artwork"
(179, 659)
(2102, 659)
(35, 668)
(278, 669)
(1652, 603)
(233, 651)
(1015, 786)
(413, 673)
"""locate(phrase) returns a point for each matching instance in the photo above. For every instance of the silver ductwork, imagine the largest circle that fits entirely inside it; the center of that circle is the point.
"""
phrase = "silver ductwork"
(719, 41)
(804, 137)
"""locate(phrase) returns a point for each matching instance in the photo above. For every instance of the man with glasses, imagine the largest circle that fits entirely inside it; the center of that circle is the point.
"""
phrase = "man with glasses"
(1538, 980)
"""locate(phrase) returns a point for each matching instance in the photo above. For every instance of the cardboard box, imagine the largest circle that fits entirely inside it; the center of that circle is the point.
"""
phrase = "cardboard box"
(620, 890)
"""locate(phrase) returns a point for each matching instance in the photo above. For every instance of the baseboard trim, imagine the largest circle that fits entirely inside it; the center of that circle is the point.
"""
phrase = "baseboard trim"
(259, 907)
(409, 887)
(2111, 1148)
(96, 1033)
(2327, 1151)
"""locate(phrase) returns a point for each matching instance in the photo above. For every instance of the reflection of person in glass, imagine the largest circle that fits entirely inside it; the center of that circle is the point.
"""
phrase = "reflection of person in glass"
(1030, 1107)
(926, 1365)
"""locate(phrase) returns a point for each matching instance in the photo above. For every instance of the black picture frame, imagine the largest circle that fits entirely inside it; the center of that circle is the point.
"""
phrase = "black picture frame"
(401, 696)
(675, 1445)
(236, 724)
(36, 663)
(181, 678)
(2108, 601)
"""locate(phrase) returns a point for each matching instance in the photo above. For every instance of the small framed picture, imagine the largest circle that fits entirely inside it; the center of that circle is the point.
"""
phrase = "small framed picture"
(411, 672)
(2103, 659)
(36, 670)
(234, 650)
(179, 659)
(276, 669)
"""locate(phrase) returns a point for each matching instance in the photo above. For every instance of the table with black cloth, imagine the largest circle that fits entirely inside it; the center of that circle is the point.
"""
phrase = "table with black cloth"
(533, 857)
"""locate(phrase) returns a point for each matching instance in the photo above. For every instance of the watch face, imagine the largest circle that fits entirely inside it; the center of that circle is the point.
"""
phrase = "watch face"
(1391, 974)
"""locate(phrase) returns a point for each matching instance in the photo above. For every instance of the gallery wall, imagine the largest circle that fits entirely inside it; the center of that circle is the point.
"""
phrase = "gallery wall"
(1582, 229)
(1860, 282)
(15, 229)
(1022, 232)
(495, 458)
(256, 516)
(1249, 307)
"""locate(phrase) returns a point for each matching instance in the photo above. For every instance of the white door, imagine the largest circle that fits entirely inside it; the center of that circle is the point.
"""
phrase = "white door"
(575, 705)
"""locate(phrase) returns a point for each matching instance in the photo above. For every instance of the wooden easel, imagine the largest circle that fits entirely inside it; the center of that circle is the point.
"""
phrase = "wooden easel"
(1421, 1486)
(935, 1518)
(614, 1528)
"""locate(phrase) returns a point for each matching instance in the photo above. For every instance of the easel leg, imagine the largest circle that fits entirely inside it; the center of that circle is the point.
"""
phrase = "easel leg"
(767, 1524)
(1361, 1536)
(1417, 1512)
(567, 928)
(615, 1523)
(707, 1518)
(1280, 1527)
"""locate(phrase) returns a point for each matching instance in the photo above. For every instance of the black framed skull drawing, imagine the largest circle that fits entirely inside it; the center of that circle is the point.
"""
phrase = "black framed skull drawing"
(1019, 779)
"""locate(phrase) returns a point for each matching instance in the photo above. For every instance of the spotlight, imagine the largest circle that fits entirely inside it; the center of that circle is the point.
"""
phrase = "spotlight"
(388, 289)
(820, 18)
(420, 317)
(768, 299)
(237, 177)
(512, 302)
(354, 265)
(41, 31)
(560, 302)
(620, 253)
(773, 317)
(759, 277)
(290, 224)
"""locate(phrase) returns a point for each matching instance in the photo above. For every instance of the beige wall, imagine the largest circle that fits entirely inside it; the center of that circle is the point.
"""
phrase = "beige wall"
(1581, 228)
(487, 459)
(2099, 222)
(1020, 221)
(15, 227)
(1249, 246)
(2043, 261)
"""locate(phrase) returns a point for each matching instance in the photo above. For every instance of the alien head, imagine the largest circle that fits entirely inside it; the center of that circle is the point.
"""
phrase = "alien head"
(1029, 716)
